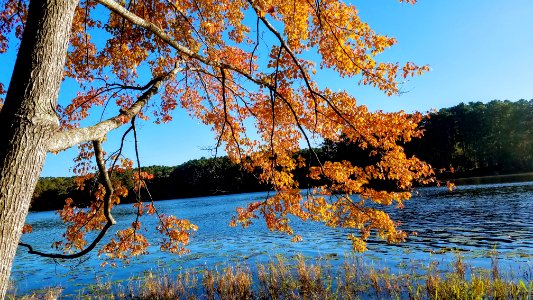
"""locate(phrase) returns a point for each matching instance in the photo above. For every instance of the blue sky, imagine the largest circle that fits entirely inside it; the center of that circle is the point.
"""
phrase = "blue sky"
(478, 50)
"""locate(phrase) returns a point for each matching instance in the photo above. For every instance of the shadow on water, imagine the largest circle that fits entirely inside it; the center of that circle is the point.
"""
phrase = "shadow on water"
(474, 220)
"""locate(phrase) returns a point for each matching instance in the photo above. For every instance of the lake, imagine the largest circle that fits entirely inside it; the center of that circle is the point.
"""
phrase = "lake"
(475, 221)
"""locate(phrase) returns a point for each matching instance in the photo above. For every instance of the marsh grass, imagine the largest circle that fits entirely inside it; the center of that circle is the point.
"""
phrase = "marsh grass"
(299, 278)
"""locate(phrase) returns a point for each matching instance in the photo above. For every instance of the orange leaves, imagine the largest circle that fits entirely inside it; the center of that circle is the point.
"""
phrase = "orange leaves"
(296, 238)
(357, 243)
(275, 211)
(150, 209)
(380, 134)
(139, 179)
(80, 222)
(27, 229)
(295, 15)
(349, 46)
(177, 234)
(82, 58)
(130, 242)
(341, 187)
(343, 176)
(451, 186)
(410, 69)
(127, 243)
(136, 225)
(245, 215)
(219, 32)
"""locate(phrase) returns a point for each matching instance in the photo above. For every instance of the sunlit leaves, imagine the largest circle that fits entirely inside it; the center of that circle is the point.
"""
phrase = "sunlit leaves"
(177, 234)
(242, 63)
(126, 243)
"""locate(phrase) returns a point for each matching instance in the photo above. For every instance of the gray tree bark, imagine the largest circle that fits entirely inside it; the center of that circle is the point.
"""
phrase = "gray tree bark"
(28, 120)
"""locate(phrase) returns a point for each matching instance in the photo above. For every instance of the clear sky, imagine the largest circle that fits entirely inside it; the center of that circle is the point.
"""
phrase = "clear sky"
(478, 50)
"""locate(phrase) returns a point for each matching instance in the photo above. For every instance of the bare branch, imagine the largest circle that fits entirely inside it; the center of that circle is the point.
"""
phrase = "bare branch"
(66, 139)
(104, 177)
(224, 99)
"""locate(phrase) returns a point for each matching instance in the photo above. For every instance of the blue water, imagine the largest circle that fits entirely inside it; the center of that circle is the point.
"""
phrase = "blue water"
(475, 221)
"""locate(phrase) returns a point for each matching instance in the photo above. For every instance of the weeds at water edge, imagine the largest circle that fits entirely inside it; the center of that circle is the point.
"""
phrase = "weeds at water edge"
(300, 279)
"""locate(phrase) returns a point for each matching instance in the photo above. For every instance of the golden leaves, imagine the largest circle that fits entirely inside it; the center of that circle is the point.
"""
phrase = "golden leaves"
(357, 243)
(296, 238)
(451, 186)
(238, 69)
(126, 243)
(177, 234)
(244, 215)
(129, 241)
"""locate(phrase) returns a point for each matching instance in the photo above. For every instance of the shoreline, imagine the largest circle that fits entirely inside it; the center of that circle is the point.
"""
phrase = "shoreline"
(475, 180)
(492, 179)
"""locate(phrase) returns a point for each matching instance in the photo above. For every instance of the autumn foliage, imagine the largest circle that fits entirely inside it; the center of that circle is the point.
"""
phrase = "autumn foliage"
(238, 63)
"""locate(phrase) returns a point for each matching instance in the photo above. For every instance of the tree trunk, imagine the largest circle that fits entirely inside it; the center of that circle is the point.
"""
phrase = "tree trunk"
(27, 120)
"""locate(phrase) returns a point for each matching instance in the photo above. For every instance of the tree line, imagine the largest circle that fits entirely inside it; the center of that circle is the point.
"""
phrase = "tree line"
(198, 177)
(479, 139)
(473, 139)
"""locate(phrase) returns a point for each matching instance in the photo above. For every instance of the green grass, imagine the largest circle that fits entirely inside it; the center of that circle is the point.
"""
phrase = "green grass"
(299, 278)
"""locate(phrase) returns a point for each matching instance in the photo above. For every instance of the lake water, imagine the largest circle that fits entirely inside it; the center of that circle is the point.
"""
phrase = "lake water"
(472, 220)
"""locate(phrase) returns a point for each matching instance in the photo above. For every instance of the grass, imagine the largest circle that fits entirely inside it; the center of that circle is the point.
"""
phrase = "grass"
(300, 279)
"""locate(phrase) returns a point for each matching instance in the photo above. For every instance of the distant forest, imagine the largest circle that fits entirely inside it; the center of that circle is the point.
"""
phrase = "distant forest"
(474, 139)
(479, 139)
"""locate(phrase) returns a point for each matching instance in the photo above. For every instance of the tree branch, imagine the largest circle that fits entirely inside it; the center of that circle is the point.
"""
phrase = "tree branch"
(104, 177)
(66, 139)
(160, 33)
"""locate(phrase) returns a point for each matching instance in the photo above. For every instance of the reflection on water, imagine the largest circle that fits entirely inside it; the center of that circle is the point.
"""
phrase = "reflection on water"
(475, 220)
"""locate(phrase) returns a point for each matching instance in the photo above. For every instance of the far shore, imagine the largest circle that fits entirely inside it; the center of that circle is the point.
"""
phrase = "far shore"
(461, 181)
(491, 179)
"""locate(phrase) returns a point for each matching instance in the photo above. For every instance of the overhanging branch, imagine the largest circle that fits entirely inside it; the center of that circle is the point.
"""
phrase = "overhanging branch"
(66, 139)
